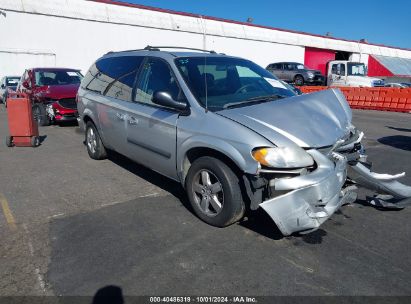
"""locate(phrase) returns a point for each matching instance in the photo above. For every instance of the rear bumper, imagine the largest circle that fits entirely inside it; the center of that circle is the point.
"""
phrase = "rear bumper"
(312, 199)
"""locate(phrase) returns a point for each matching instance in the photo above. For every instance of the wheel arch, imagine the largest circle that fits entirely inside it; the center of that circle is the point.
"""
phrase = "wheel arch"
(87, 116)
(220, 150)
(299, 74)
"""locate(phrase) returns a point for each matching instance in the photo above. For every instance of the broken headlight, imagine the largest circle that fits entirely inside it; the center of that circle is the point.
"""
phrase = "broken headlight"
(283, 157)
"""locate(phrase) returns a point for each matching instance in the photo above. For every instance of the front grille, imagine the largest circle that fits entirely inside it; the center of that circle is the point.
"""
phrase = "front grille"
(68, 103)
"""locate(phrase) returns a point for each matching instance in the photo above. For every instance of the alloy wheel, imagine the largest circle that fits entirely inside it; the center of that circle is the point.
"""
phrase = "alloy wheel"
(91, 140)
(208, 193)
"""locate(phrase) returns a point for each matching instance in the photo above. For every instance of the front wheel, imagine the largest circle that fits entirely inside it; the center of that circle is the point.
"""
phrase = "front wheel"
(95, 147)
(40, 115)
(214, 192)
(299, 80)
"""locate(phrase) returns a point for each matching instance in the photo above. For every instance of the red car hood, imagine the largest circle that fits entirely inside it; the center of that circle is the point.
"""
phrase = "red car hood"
(60, 91)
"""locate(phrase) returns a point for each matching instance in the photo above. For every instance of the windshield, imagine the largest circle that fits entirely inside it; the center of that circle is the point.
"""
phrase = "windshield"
(223, 82)
(12, 81)
(58, 77)
(356, 69)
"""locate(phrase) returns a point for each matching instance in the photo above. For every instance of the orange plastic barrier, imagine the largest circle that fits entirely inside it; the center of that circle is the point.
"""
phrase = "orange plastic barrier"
(381, 99)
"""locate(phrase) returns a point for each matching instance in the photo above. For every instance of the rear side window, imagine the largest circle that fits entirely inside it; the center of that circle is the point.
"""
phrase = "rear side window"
(113, 77)
(289, 66)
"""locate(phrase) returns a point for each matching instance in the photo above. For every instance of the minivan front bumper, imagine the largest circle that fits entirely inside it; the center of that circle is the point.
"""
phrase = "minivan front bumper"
(312, 198)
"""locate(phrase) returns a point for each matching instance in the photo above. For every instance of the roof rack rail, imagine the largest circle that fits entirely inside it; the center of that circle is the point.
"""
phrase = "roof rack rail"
(112, 52)
(157, 48)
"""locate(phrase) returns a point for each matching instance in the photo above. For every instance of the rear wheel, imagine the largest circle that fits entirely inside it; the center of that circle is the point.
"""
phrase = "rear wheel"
(34, 141)
(299, 80)
(95, 147)
(40, 115)
(9, 141)
(214, 192)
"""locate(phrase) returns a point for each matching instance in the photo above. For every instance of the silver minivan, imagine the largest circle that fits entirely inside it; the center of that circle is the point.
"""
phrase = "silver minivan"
(231, 133)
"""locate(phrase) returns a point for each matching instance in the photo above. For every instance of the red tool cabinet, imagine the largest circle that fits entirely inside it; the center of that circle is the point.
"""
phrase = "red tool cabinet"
(23, 129)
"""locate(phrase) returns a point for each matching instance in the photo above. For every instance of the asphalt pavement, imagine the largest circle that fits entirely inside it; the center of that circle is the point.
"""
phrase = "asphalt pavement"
(70, 225)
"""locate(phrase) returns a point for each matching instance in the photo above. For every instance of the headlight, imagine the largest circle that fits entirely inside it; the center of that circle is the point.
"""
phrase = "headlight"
(310, 75)
(283, 157)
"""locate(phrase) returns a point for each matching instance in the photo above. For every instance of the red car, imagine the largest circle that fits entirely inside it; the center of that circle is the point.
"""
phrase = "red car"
(52, 92)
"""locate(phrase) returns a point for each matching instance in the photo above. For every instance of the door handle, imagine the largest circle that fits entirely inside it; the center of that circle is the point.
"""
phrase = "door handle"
(132, 120)
(121, 116)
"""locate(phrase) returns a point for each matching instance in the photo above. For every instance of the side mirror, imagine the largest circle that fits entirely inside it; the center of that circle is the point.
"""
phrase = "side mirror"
(25, 84)
(164, 99)
(3, 86)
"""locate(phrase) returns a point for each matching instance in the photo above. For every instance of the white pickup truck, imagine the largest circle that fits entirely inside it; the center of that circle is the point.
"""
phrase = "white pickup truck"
(342, 73)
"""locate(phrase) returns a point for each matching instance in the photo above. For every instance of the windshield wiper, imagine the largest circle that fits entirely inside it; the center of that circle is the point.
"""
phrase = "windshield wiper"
(253, 100)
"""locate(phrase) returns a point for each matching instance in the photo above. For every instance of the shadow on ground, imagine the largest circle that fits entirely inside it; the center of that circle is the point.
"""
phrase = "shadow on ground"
(109, 295)
(397, 141)
(260, 222)
(67, 124)
(399, 129)
(149, 175)
(257, 221)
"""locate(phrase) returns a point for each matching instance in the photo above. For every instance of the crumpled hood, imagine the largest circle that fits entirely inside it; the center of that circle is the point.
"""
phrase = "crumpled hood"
(310, 121)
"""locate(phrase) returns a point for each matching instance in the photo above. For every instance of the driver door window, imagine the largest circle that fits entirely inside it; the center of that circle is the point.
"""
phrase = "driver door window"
(156, 76)
(338, 69)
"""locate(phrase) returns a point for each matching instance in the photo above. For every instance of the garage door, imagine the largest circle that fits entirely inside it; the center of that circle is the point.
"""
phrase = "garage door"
(317, 58)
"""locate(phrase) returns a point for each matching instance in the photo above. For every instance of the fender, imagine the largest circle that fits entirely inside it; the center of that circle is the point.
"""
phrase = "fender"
(229, 149)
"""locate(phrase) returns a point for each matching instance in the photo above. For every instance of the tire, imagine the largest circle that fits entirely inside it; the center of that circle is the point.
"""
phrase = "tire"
(40, 115)
(9, 141)
(34, 141)
(229, 206)
(95, 147)
(299, 80)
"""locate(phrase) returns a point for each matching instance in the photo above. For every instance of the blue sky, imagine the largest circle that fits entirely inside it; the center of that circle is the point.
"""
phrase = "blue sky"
(378, 21)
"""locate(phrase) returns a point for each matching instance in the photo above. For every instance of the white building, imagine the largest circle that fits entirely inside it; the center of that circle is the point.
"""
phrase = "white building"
(74, 33)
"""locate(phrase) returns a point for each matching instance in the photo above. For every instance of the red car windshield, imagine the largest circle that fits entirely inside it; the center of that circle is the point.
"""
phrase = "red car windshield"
(58, 77)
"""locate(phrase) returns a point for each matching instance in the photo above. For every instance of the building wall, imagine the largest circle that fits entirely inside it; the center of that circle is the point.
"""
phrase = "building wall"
(14, 62)
(357, 57)
(78, 43)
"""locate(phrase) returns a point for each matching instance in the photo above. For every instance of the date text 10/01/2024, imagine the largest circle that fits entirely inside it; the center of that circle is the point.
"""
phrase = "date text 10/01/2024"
(203, 299)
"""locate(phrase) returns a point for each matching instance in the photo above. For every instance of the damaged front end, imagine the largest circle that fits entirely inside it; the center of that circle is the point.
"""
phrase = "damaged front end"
(316, 161)
(303, 201)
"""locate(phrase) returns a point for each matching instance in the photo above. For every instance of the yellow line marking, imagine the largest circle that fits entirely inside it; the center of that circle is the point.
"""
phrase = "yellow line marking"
(7, 212)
